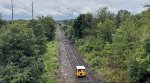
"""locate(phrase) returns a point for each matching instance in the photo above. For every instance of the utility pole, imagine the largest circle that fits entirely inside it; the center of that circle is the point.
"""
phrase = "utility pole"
(32, 10)
(147, 5)
(12, 11)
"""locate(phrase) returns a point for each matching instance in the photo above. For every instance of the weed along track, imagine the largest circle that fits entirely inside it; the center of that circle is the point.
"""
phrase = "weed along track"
(69, 59)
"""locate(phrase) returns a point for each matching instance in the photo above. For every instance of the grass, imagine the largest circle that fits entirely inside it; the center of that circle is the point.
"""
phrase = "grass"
(50, 74)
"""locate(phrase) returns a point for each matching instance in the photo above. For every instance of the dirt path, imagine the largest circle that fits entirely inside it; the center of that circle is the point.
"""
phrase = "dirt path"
(69, 57)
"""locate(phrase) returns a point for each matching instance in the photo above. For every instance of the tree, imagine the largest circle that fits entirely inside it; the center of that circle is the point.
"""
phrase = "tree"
(104, 14)
(136, 72)
(47, 24)
(49, 27)
(19, 57)
(1, 21)
(122, 16)
(83, 21)
(105, 30)
(39, 32)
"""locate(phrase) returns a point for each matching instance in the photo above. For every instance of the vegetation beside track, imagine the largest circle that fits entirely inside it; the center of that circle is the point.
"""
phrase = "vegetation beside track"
(116, 46)
(50, 61)
(24, 56)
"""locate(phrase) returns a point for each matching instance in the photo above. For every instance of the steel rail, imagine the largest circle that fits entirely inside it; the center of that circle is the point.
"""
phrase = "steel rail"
(71, 52)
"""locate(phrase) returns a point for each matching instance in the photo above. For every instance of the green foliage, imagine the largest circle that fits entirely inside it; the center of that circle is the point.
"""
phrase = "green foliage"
(104, 14)
(115, 46)
(147, 45)
(122, 16)
(39, 32)
(18, 57)
(22, 47)
(2, 22)
(47, 25)
(84, 21)
(95, 62)
(136, 72)
(15, 40)
(105, 30)
(50, 74)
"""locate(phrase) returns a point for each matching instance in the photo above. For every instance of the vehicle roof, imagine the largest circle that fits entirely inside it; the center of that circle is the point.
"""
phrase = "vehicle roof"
(80, 67)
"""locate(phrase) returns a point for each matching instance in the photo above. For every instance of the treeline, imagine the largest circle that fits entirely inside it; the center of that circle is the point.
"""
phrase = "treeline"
(116, 46)
(22, 46)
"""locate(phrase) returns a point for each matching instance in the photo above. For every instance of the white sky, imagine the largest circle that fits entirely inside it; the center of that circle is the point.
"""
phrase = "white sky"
(64, 9)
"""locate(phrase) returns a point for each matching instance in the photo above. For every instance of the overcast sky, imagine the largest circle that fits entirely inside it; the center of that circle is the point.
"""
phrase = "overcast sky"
(65, 9)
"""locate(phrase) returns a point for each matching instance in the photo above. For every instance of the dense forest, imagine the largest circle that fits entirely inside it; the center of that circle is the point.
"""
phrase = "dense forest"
(25, 51)
(116, 46)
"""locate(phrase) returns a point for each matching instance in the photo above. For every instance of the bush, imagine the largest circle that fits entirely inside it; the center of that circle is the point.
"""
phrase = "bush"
(135, 72)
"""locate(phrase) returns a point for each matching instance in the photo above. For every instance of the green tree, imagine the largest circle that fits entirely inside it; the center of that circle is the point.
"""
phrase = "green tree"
(136, 72)
(122, 16)
(19, 59)
(83, 21)
(105, 30)
(1, 21)
(39, 32)
(104, 14)
(49, 27)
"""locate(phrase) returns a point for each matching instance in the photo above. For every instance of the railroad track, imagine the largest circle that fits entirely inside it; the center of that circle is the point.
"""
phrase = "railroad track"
(72, 56)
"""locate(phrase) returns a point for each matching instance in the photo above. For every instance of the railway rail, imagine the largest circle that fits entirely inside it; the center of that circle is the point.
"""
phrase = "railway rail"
(72, 56)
